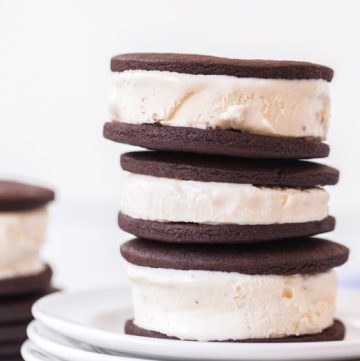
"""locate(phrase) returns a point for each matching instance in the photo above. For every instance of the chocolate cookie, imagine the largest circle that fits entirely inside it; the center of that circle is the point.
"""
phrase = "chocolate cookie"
(12, 332)
(11, 351)
(287, 257)
(16, 196)
(25, 285)
(229, 170)
(211, 65)
(181, 232)
(336, 332)
(214, 141)
(18, 308)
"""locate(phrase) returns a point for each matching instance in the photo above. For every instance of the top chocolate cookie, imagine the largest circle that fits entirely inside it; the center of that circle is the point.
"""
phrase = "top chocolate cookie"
(15, 196)
(298, 174)
(212, 65)
(286, 257)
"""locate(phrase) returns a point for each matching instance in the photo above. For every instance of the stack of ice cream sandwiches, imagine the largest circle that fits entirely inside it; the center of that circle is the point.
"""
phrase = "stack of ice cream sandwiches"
(24, 278)
(223, 210)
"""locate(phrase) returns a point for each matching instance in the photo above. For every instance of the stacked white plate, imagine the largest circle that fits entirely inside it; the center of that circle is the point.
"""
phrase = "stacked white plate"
(89, 326)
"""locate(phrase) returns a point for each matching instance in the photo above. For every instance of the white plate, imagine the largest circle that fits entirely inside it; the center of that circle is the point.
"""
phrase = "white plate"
(97, 317)
(65, 348)
(30, 352)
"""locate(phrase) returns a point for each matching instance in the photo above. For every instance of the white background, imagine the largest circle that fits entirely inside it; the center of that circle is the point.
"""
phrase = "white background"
(55, 80)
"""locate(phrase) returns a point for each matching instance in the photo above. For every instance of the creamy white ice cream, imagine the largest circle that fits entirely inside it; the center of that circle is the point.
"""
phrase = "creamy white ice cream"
(294, 108)
(173, 200)
(208, 306)
(21, 236)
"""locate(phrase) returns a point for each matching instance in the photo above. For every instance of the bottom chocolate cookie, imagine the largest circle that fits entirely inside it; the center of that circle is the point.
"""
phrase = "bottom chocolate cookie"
(178, 232)
(11, 351)
(17, 309)
(10, 333)
(215, 141)
(26, 284)
(334, 333)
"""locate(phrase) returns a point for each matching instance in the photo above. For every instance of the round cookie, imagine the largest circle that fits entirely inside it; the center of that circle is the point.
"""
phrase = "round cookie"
(336, 332)
(177, 166)
(24, 285)
(15, 196)
(13, 332)
(214, 141)
(298, 256)
(11, 351)
(230, 170)
(204, 64)
(182, 232)
(18, 309)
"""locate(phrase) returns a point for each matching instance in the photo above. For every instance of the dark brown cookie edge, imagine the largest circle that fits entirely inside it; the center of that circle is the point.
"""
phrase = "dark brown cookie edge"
(26, 284)
(303, 255)
(214, 141)
(178, 232)
(212, 65)
(16, 196)
(11, 351)
(185, 166)
(17, 309)
(336, 332)
(12, 333)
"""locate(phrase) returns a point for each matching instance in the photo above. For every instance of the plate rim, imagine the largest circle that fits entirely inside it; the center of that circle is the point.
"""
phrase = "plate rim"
(155, 348)
(27, 354)
(77, 353)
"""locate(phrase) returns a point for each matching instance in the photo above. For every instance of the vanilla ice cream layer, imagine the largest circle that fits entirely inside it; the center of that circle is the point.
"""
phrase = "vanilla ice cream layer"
(275, 107)
(173, 200)
(218, 306)
(21, 237)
